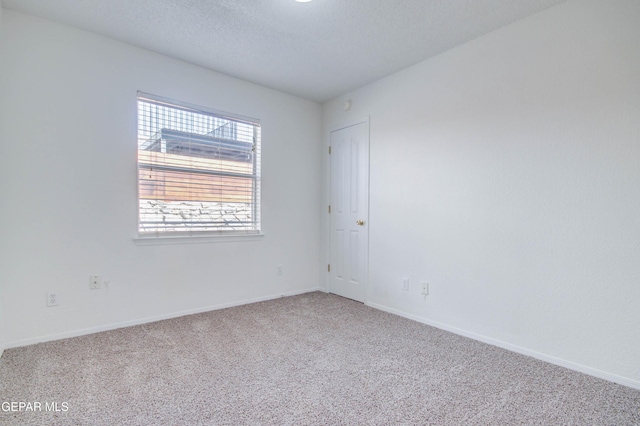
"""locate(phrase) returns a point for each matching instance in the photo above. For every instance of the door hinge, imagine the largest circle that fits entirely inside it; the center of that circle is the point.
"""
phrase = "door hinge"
(329, 208)
(329, 149)
(328, 267)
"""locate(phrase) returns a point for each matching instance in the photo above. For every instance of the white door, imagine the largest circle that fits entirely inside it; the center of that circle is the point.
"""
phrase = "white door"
(349, 211)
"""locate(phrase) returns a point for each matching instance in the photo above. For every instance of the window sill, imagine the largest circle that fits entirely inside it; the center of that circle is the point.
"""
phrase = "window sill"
(153, 240)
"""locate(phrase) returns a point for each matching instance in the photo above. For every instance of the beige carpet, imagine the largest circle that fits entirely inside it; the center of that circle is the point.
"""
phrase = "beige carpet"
(309, 359)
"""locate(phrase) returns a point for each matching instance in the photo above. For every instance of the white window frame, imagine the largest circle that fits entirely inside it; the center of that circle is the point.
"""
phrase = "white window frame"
(150, 228)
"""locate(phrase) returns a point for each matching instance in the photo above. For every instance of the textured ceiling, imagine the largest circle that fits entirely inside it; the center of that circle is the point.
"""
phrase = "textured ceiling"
(317, 50)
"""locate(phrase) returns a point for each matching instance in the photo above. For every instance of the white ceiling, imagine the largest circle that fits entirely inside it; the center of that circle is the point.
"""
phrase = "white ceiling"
(317, 50)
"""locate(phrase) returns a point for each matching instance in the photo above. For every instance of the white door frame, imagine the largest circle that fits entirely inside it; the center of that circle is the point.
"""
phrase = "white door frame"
(328, 231)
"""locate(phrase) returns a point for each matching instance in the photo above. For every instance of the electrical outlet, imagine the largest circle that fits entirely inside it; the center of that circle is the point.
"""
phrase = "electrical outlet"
(405, 284)
(94, 282)
(52, 299)
(425, 288)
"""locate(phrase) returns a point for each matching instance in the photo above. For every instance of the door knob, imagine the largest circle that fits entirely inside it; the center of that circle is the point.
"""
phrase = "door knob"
(360, 222)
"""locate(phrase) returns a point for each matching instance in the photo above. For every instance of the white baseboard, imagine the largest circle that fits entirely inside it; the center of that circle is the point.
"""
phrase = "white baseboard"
(146, 320)
(514, 348)
(511, 347)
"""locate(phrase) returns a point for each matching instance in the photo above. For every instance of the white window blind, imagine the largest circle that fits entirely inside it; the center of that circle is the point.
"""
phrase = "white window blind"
(198, 170)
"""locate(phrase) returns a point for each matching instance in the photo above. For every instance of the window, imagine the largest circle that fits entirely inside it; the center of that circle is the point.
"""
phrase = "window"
(198, 170)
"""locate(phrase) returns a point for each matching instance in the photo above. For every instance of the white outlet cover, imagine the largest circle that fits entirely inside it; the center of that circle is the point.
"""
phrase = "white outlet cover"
(52, 299)
(94, 282)
(405, 284)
